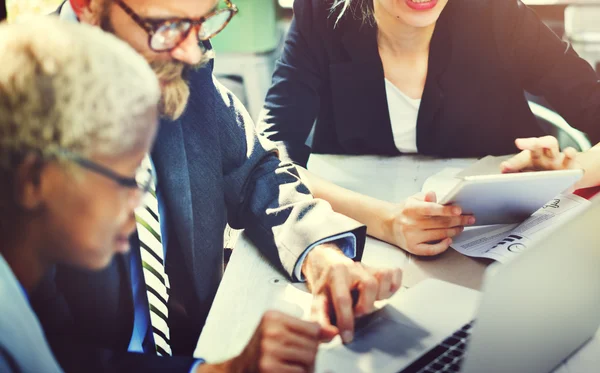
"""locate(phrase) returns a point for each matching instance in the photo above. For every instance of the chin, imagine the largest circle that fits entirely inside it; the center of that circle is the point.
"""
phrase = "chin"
(420, 22)
(93, 261)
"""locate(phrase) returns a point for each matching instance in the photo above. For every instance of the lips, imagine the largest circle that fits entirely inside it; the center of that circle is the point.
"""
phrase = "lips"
(421, 4)
(122, 244)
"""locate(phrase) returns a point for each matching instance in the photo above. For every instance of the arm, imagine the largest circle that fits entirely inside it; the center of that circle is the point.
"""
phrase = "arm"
(292, 102)
(547, 66)
(413, 224)
(279, 344)
(267, 198)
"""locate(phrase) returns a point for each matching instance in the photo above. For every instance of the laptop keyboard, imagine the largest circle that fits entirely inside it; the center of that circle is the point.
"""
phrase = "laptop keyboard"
(445, 357)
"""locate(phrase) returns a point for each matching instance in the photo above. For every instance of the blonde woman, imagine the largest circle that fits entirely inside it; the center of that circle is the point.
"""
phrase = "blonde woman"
(443, 78)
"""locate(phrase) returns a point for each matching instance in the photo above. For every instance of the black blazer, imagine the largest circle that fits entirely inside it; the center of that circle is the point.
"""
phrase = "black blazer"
(3, 10)
(484, 54)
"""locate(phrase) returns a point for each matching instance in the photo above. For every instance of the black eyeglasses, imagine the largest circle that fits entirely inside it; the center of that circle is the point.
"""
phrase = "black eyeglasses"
(143, 180)
(166, 34)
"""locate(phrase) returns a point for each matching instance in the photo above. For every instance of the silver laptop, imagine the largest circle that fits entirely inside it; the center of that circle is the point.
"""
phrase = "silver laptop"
(533, 313)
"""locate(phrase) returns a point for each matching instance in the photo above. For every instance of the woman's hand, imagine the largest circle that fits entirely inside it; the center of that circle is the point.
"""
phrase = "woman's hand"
(539, 154)
(422, 226)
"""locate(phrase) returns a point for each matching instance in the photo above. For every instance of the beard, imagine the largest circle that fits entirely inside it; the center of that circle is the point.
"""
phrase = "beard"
(175, 91)
(171, 74)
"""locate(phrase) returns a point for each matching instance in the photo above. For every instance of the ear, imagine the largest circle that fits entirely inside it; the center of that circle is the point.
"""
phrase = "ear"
(88, 11)
(79, 5)
(28, 187)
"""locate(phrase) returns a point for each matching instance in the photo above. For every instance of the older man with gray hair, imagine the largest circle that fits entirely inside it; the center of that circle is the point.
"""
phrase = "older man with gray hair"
(78, 115)
(78, 112)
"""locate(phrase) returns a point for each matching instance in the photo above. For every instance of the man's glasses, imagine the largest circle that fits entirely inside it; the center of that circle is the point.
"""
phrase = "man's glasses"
(143, 180)
(166, 34)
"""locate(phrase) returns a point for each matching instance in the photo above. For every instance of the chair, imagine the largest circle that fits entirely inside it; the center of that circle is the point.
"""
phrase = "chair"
(566, 135)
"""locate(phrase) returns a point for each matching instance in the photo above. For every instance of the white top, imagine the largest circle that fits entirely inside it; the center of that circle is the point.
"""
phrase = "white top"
(403, 116)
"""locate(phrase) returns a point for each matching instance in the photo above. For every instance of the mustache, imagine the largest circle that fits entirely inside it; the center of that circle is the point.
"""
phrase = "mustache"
(168, 71)
(174, 86)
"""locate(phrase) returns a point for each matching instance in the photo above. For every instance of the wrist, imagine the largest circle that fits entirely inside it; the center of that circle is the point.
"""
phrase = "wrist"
(318, 259)
(387, 217)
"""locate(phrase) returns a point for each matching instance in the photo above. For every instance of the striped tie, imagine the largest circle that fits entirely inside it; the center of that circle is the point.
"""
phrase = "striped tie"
(153, 264)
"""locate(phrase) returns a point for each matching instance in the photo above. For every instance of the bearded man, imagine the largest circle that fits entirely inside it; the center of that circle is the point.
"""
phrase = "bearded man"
(211, 169)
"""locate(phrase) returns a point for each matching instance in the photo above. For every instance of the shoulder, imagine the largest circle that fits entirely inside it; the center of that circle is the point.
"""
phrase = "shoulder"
(483, 12)
(469, 13)
(487, 23)
(314, 8)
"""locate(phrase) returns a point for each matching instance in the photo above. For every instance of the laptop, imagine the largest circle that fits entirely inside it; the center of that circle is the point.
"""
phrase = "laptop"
(532, 314)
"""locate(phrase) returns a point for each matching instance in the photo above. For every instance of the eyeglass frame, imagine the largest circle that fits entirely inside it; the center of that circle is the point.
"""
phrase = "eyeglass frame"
(151, 26)
(127, 182)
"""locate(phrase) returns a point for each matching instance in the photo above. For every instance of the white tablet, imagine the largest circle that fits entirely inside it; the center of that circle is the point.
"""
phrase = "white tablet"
(508, 198)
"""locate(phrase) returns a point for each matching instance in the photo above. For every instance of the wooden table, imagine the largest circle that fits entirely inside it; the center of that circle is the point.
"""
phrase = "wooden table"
(251, 285)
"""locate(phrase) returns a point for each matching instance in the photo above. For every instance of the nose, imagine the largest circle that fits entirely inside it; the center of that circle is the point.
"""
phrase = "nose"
(134, 200)
(189, 51)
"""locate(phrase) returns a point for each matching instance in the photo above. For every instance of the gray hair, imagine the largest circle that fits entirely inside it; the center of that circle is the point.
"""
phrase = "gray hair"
(359, 9)
(69, 86)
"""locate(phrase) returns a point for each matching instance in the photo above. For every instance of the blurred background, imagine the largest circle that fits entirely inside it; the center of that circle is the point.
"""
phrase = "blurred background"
(20, 8)
(248, 48)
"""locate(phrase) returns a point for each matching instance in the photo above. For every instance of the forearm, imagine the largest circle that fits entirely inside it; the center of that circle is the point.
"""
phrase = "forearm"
(590, 162)
(376, 214)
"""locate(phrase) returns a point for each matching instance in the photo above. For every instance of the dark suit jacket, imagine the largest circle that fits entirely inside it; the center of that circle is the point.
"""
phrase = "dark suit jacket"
(3, 10)
(483, 55)
(212, 168)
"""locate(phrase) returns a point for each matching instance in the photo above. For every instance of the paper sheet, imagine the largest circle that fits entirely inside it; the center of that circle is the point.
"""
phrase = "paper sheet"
(504, 242)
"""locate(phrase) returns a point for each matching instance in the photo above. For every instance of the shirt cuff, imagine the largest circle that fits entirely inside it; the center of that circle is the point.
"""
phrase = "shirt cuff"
(345, 241)
(196, 365)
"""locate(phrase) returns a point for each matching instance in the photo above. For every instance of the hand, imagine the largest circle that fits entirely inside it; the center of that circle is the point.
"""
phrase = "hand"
(422, 226)
(331, 277)
(280, 344)
(540, 153)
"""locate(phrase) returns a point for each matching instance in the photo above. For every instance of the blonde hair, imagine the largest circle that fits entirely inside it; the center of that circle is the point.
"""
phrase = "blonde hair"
(69, 86)
(359, 9)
